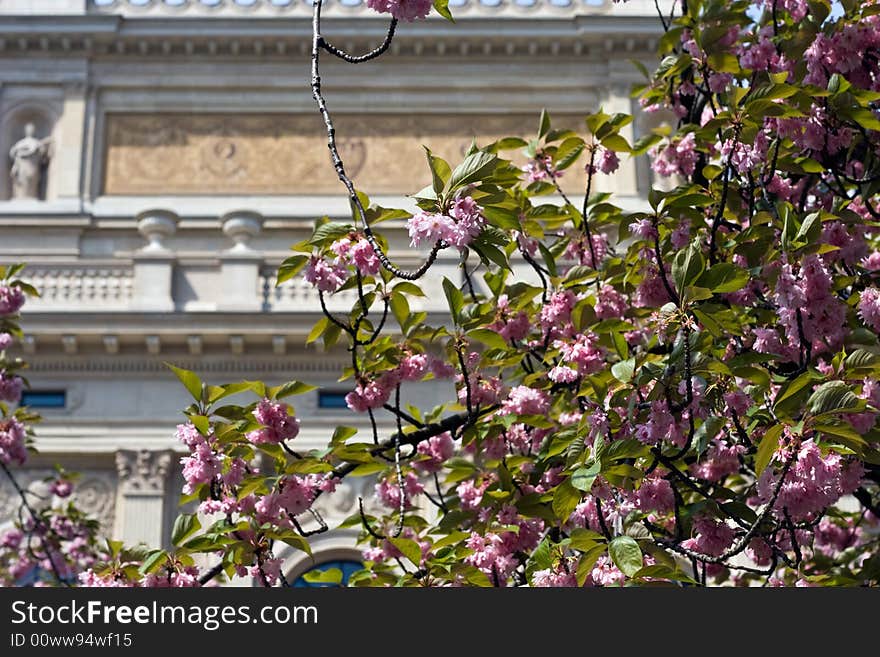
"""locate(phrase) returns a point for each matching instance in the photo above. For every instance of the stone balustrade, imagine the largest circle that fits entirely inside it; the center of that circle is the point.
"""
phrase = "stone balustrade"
(73, 287)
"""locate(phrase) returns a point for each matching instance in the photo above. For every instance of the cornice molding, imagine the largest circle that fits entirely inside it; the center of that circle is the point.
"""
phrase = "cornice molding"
(211, 37)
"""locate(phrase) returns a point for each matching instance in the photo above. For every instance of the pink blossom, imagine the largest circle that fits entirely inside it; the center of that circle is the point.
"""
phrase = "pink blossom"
(61, 488)
(712, 537)
(279, 425)
(6, 341)
(388, 491)
(720, 460)
(655, 494)
(12, 442)
(200, 467)
(435, 452)
(402, 10)
(562, 374)
(869, 307)
(610, 304)
(11, 299)
(324, 275)
(10, 387)
(357, 251)
(605, 573)
(609, 162)
(676, 157)
(583, 352)
(470, 495)
(523, 400)
(413, 367)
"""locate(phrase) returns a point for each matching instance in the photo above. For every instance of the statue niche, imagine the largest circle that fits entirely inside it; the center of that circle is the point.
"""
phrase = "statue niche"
(30, 159)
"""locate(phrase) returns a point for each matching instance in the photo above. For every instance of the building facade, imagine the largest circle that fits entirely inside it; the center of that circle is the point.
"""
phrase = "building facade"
(164, 154)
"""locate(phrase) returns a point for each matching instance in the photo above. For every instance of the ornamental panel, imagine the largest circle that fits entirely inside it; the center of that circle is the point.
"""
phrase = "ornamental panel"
(170, 153)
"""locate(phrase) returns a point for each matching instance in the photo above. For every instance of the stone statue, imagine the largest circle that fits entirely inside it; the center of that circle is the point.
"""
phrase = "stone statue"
(28, 156)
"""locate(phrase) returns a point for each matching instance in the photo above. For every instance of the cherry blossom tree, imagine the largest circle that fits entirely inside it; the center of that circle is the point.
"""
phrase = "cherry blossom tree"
(686, 394)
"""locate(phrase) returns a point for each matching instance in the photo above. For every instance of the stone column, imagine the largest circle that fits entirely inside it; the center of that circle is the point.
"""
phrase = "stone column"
(154, 263)
(65, 168)
(142, 478)
(240, 265)
(624, 181)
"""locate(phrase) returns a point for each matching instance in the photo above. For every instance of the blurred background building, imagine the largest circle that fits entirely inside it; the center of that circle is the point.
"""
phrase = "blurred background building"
(160, 156)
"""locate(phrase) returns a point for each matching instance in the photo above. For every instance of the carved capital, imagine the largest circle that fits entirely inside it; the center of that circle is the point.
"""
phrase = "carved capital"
(143, 472)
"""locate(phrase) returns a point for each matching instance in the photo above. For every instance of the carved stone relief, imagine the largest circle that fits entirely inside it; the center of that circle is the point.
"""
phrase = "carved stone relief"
(287, 154)
(143, 472)
(94, 493)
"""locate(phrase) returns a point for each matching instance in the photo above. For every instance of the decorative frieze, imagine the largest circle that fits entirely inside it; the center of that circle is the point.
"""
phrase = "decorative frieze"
(143, 472)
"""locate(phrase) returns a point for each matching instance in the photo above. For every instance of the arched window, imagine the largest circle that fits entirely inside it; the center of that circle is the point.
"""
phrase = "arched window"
(345, 566)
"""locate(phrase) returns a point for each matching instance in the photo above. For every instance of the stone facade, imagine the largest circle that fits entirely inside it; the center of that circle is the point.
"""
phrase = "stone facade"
(186, 156)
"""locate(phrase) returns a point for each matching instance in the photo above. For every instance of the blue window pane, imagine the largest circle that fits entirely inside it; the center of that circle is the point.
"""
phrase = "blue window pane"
(332, 399)
(347, 568)
(44, 398)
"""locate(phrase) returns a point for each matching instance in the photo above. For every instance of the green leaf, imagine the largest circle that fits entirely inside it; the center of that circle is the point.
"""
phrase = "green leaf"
(767, 448)
(454, 298)
(688, 265)
(488, 337)
(626, 554)
(400, 309)
(440, 170)
(706, 432)
(329, 576)
(474, 168)
(290, 268)
(583, 478)
(588, 561)
(409, 548)
(184, 526)
(153, 560)
(442, 7)
(832, 397)
(565, 499)
(190, 381)
(543, 124)
(290, 388)
(624, 370)
(723, 278)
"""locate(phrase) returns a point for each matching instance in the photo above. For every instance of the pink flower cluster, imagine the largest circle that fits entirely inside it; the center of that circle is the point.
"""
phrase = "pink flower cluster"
(495, 554)
(458, 228)
(278, 424)
(610, 304)
(557, 312)
(676, 157)
(523, 400)
(10, 387)
(869, 308)
(720, 460)
(373, 394)
(712, 537)
(822, 315)
(846, 51)
(402, 10)
(578, 248)
(325, 275)
(511, 325)
(660, 425)
(202, 465)
(583, 352)
(388, 491)
(12, 442)
(11, 299)
(293, 496)
(560, 577)
(357, 251)
(540, 169)
(434, 452)
(5, 341)
(655, 494)
(813, 482)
